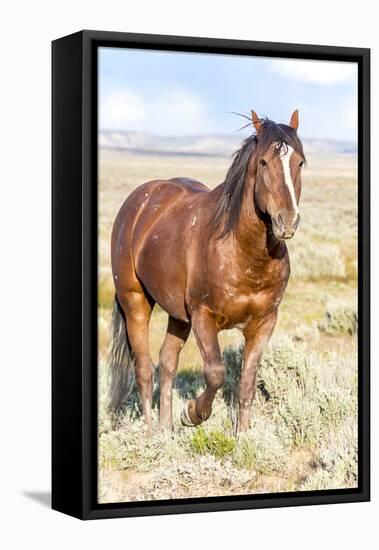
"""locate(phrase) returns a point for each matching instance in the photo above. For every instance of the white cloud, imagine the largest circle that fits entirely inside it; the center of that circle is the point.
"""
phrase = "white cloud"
(177, 111)
(316, 72)
(183, 103)
(121, 108)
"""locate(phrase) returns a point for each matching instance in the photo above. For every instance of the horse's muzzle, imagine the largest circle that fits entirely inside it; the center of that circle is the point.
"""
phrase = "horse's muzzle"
(283, 229)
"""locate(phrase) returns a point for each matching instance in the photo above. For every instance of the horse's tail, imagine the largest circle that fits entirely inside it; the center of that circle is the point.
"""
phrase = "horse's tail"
(120, 362)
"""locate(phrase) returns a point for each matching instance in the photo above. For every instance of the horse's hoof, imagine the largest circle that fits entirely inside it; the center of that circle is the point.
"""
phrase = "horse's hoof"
(186, 417)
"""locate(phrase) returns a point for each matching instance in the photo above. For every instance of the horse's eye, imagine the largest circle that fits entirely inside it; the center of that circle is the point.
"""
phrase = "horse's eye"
(263, 162)
(301, 163)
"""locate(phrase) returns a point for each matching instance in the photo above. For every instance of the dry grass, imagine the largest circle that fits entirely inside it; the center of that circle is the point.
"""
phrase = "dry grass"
(306, 407)
(304, 426)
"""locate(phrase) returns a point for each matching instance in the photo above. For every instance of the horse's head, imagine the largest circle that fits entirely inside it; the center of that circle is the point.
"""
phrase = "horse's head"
(277, 165)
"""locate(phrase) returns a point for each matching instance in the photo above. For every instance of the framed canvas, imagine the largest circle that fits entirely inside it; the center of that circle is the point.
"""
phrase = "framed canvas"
(210, 274)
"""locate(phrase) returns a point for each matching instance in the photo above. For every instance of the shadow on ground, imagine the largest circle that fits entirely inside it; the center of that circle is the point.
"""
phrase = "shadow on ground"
(41, 497)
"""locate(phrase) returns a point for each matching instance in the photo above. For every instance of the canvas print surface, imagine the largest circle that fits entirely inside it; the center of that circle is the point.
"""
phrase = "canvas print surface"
(227, 275)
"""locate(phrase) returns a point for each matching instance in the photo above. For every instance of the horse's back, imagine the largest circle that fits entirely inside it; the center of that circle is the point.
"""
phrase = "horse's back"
(167, 192)
(153, 195)
(189, 184)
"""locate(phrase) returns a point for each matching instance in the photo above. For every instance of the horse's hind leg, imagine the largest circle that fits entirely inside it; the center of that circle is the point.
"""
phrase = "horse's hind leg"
(204, 327)
(177, 334)
(138, 307)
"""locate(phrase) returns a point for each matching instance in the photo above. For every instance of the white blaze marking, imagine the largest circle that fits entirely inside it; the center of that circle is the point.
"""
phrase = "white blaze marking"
(287, 176)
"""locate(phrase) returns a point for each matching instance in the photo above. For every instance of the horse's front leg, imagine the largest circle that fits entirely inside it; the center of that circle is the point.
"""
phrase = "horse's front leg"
(205, 330)
(257, 335)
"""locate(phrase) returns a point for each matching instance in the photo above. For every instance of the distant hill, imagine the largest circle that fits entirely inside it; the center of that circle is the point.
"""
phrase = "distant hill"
(202, 145)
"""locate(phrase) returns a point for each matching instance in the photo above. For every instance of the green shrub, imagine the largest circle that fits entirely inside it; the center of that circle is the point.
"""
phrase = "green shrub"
(261, 449)
(314, 263)
(307, 333)
(188, 382)
(233, 358)
(336, 404)
(320, 480)
(338, 460)
(340, 318)
(282, 367)
(301, 415)
(215, 443)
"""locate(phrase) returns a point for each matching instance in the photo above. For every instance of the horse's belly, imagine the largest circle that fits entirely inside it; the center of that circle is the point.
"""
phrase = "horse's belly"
(160, 266)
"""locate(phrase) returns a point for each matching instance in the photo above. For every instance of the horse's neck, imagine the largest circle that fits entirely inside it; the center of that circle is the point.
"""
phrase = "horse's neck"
(252, 233)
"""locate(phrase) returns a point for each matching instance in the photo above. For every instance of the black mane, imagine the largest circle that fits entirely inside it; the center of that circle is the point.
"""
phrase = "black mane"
(230, 203)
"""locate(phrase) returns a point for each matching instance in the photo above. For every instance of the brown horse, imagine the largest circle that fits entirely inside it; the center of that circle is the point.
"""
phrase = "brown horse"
(212, 260)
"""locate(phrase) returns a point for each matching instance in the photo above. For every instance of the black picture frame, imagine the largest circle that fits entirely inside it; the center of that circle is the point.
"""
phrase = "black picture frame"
(74, 273)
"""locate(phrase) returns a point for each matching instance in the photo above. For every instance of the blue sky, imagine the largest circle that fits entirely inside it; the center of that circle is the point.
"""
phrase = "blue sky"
(169, 93)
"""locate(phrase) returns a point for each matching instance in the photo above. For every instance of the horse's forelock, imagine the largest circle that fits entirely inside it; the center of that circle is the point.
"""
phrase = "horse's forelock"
(281, 134)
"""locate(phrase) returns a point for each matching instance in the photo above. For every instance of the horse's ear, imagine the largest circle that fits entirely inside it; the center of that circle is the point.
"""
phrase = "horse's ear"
(294, 122)
(256, 121)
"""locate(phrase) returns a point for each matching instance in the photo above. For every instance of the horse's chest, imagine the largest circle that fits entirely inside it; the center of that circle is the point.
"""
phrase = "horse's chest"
(248, 296)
